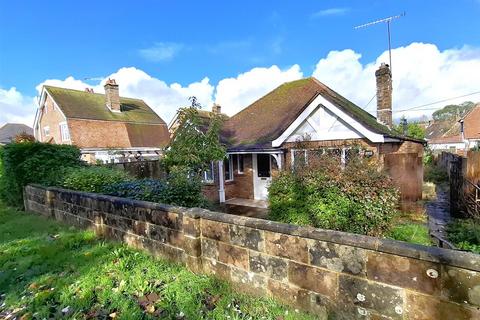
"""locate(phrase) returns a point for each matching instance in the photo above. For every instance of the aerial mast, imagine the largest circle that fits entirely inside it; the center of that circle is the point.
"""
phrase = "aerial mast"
(387, 21)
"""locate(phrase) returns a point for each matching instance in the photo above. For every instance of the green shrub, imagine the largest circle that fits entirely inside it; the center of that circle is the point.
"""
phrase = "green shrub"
(33, 162)
(465, 234)
(434, 174)
(93, 179)
(356, 198)
(178, 189)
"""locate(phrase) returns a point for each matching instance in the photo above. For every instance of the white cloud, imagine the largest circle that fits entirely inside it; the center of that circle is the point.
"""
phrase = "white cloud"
(330, 12)
(161, 51)
(16, 108)
(234, 94)
(421, 74)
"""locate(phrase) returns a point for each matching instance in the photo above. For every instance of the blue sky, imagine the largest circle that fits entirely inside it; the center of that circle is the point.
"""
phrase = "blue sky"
(185, 41)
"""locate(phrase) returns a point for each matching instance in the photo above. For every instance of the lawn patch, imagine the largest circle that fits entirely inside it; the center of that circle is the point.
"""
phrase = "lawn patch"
(411, 232)
(49, 270)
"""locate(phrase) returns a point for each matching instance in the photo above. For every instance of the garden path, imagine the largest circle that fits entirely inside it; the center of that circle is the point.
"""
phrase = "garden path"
(438, 211)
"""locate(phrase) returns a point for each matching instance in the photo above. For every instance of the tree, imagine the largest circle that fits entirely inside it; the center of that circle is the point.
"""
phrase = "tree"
(452, 111)
(24, 137)
(414, 130)
(196, 141)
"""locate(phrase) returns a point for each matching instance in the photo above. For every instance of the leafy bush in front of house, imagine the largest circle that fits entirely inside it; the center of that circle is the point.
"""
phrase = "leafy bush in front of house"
(177, 189)
(465, 234)
(33, 162)
(92, 178)
(357, 198)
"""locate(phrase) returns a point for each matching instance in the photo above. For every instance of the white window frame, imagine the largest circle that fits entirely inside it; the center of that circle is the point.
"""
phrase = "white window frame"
(46, 131)
(343, 159)
(64, 132)
(204, 175)
(238, 163)
(230, 164)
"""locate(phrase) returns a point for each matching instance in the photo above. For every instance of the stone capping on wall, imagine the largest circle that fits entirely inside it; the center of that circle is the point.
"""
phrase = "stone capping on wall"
(454, 258)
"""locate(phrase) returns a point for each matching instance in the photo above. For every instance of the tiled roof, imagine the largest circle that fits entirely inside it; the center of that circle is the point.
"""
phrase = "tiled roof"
(471, 123)
(84, 105)
(447, 139)
(437, 129)
(267, 118)
(137, 121)
(10, 130)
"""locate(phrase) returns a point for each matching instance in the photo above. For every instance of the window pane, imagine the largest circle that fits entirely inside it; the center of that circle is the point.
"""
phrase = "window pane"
(208, 174)
(227, 168)
(263, 165)
(300, 157)
(240, 163)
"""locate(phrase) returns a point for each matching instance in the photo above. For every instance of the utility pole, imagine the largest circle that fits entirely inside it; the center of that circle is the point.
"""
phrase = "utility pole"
(387, 21)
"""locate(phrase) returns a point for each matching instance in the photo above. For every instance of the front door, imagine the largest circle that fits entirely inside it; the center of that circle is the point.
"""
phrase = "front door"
(261, 176)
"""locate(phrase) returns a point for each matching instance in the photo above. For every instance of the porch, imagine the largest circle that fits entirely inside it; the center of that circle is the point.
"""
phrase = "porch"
(245, 175)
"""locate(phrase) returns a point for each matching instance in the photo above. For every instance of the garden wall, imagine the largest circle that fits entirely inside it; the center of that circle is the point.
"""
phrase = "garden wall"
(345, 275)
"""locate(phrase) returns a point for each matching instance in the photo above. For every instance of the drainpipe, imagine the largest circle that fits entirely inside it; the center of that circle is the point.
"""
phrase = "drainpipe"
(221, 180)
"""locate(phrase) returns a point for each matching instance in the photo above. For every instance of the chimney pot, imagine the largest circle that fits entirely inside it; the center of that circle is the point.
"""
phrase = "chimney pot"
(112, 95)
(216, 108)
(384, 95)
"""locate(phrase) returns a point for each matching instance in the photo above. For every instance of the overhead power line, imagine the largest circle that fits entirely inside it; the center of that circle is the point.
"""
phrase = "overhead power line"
(439, 101)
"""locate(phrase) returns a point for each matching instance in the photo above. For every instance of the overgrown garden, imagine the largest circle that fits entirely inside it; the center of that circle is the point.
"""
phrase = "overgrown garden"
(353, 197)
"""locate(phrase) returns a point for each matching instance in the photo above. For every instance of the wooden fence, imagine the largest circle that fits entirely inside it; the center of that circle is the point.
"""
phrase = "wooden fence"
(464, 180)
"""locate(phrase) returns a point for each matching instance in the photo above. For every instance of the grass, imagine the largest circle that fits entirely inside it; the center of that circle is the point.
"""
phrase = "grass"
(49, 270)
(465, 234)
(411, 226)
(411, 232)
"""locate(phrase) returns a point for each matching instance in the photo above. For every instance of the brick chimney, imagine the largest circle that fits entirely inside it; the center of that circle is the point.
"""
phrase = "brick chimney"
(112, 96)
(384, 95)
(216, 108)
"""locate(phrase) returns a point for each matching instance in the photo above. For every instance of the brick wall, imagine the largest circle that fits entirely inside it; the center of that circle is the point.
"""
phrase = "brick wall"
(343, 275)
(51, 117)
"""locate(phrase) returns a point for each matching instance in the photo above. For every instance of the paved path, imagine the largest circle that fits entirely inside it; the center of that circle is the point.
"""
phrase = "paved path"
(438, 212)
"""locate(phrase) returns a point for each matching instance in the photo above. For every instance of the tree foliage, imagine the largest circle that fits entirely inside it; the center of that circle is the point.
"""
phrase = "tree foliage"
(413, 130)
(452, 111)
(196, 140)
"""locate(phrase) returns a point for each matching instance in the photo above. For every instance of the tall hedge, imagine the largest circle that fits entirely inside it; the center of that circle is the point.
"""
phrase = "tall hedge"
(33, 162)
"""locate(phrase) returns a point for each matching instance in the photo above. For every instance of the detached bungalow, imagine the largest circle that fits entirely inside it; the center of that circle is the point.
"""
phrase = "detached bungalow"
(262, 138)
(106, 127)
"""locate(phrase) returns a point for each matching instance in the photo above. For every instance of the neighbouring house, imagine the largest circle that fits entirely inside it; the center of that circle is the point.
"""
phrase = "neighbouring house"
(263, 138)
(106, 127)
(204, 115)
(470, 128)
(456, 135)
(9, 131)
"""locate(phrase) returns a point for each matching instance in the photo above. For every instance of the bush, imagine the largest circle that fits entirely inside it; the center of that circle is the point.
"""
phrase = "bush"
(465, 234)
(434, 174)
(355, 199)
(33, 162)
(92, 179)
(178, 189)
